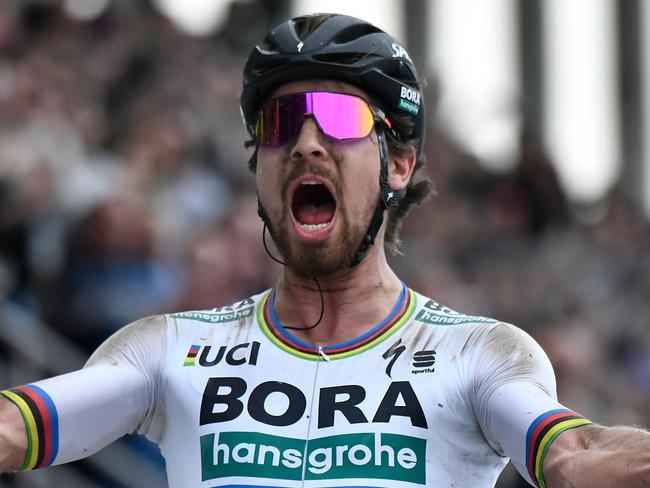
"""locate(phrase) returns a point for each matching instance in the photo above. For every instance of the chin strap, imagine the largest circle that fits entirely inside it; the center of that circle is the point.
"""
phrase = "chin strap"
(261, 211)
(387, 198)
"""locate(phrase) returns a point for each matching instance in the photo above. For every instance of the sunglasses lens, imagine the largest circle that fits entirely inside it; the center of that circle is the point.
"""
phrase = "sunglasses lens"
(280, 120)
(338, 115)
(342, 116)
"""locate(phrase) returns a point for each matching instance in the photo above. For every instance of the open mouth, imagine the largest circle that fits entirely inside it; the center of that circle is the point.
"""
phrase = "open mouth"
(313, 205)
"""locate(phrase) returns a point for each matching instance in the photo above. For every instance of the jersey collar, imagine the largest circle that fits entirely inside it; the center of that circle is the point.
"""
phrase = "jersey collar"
(281, 337)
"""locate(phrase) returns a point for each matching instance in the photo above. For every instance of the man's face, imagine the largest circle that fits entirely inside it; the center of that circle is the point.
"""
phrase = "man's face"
(319, 192)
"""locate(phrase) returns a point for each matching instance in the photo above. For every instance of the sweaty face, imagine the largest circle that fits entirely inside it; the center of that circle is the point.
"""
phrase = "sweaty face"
(318, 192)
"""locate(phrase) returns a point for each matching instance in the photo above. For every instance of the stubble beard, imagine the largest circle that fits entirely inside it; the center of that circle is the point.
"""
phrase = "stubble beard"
(320, 259)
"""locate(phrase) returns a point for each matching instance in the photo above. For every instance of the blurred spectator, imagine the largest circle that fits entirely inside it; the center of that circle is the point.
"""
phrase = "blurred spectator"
(229, 262)
(113, 274)
(124, 192)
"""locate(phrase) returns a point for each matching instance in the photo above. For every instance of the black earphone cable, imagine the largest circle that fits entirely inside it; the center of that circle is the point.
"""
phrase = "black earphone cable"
(320, 290)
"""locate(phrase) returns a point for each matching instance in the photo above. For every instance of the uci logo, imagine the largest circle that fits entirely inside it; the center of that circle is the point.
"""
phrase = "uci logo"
(245, 353)
(400, 52)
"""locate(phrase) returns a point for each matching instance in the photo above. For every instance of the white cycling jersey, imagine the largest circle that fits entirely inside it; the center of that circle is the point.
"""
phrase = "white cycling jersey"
(429, 397)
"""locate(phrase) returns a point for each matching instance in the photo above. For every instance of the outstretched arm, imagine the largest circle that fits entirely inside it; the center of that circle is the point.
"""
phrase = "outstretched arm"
(13, 437)
(72, 416)
(550, 445)
(599, 456)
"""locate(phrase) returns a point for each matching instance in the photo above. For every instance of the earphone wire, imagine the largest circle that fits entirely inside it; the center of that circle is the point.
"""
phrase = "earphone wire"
(320, 290)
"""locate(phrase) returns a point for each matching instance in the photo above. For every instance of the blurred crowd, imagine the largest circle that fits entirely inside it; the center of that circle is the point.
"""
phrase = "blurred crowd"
(124, 192)
(123, 184)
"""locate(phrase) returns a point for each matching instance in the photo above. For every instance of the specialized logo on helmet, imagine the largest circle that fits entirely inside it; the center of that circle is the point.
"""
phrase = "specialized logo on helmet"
(409, 100)
(400, 52)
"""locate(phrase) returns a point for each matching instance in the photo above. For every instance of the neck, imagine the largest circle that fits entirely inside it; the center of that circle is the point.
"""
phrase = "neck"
(355, 300)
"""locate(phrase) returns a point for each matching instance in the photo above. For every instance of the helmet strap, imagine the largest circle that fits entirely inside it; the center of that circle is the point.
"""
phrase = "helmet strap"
(388, 198)
(261, 211)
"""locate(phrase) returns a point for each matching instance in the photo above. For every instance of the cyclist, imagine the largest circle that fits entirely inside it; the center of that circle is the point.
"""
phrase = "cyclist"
(340, 375)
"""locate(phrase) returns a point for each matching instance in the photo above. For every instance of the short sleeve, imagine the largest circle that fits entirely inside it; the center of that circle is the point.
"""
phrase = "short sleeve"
(74, 415)
(515, 399)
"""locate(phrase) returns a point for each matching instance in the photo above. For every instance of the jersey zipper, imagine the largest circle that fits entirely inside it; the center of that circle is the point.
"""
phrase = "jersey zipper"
(322, 356)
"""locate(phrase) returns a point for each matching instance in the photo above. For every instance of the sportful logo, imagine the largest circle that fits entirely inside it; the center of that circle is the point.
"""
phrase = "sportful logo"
(246, 353)
(423, 362)
(362, 455)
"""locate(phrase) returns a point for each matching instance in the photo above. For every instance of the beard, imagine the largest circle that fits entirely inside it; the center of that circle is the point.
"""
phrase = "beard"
(309, 260)
(325, 258)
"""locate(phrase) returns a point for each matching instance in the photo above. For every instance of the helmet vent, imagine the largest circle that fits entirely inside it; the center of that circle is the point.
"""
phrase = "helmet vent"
(269, 44)
(307, 24)
(263, 68)
(354, 32)
(299, 26)
(340, 58)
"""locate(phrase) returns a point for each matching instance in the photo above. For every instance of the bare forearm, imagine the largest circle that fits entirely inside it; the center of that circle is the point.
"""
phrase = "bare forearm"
(603, 457)
(13, 437)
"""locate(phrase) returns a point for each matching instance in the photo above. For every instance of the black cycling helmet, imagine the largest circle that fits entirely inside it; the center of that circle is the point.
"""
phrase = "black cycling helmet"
(342, 48)
(346, 49)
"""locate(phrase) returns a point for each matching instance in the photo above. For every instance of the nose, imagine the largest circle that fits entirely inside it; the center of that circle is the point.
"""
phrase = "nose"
(309, 144)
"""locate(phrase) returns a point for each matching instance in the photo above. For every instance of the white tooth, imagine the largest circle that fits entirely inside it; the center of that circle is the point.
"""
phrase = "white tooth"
(312, 227)
(310, 182)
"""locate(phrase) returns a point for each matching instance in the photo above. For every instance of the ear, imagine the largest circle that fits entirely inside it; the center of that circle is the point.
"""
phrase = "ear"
(400, 169)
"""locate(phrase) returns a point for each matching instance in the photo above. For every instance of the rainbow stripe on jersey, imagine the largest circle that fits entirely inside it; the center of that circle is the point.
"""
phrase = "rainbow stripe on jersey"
(42, 423)
(278, 335)
(542, 432)
(190, 360)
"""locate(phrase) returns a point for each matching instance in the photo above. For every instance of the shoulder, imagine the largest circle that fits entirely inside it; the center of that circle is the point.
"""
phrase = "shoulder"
(431, 312)
(510, 344)
(483, 340)
(235, 312)
(144, 337)
(459, 330)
